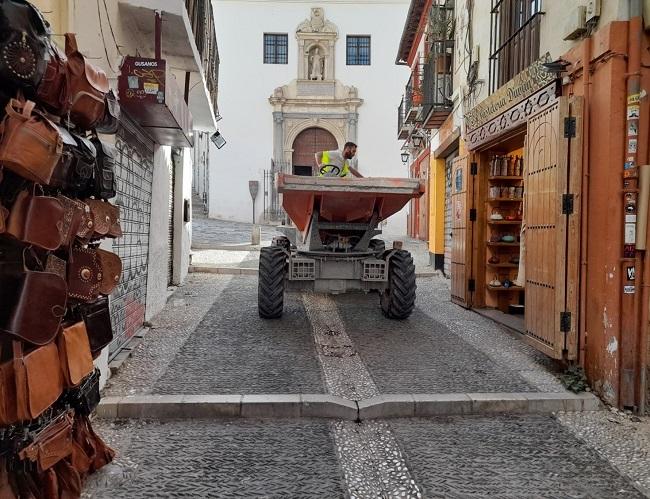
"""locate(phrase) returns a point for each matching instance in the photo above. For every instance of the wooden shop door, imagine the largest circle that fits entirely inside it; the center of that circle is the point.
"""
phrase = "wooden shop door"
(553, 165)
(461, 231)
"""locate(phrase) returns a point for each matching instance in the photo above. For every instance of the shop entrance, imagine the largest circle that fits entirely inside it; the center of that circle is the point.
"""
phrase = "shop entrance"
(461, 232)
(525, 264)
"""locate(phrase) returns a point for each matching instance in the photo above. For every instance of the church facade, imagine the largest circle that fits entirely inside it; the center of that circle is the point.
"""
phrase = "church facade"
(297, 78)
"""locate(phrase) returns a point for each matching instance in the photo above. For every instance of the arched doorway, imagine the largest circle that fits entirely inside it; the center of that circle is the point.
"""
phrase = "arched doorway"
(307, 143)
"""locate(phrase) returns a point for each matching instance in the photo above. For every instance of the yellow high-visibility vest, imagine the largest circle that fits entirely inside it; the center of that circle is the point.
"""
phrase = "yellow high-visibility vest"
(325, 161)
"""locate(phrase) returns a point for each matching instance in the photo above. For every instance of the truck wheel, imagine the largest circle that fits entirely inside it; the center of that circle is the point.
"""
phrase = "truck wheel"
(377, 246)
(270, 289)
(398, 301)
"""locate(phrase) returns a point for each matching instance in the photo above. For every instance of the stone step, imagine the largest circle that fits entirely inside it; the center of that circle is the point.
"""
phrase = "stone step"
(330, 406)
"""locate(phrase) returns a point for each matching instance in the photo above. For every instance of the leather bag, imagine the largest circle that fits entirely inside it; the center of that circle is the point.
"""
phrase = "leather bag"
(33, 303)
(101, 454)
(56, 265)
(50, 445)
(104, 175)
(111, 266)
(39, 382)
(53, 89)
(97, 317)
(69, 480)
(37, 220)
(88, 86)
(8, 414)
(106, 217)
(77, 210)
(84, 274)
(30, 144)
(74, 353)
(111, 120)
(4, 215)
(84, 398)
(23, 44)
(115, 229)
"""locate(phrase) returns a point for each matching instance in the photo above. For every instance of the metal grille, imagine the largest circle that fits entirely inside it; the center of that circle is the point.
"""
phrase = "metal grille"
(303, 269)
(358, 51)
(275, 48)
(273, 211)
(134, 175)
(170, 227)
(374, 270)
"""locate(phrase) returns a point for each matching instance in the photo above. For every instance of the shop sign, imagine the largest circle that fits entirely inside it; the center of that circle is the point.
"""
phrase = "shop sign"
(522, 86)
(512, 118)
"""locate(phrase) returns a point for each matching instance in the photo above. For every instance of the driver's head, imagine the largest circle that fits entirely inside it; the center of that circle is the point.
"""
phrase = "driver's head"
(349, 150)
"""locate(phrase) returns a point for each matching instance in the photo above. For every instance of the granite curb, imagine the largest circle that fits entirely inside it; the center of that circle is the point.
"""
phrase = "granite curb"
(213, 269)
(329, 406)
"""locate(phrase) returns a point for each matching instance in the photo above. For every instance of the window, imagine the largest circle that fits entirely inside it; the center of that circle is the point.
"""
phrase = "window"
(358, 51)
(275, 48)
(514, 38)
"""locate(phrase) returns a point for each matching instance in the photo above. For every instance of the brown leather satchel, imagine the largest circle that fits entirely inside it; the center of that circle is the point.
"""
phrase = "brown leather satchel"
(53, 89)
(38, 379)
(97, 452)
(111, 265)
(69, 480)
(4, 215)
(88, 86)
(8, 414)
(78, 209)
(37, 220)
(106, 217)
(74, 353)
(50, 445)
(33, 303)
(30, 144)
(56, 265)
(97, 317)
(84, 274)
(115, 229)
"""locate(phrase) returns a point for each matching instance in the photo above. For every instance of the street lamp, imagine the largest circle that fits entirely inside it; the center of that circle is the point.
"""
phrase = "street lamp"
(418, 140)
(405, 157)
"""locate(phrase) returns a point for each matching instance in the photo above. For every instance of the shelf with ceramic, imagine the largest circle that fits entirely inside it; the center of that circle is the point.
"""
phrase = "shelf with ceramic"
(504, 222)
(501, 243)
(506, 177)
(503, 288)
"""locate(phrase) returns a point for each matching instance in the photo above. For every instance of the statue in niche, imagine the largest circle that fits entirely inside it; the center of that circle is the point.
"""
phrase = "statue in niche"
(317, 66)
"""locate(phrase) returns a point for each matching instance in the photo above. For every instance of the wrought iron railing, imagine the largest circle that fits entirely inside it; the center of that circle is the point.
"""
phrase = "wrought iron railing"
(201, 17)
(400, 117)
(437, 79)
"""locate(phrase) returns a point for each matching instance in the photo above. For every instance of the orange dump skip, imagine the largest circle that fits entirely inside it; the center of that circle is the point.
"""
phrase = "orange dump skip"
(345, 199)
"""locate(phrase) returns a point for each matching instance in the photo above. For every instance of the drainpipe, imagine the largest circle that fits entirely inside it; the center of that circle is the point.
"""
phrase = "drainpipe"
(586, 80)
(158, 35)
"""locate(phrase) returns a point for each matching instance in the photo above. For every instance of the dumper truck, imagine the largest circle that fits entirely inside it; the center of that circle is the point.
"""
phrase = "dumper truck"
(332, 248)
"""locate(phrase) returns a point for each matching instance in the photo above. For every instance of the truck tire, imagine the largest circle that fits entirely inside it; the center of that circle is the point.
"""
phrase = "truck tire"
(398, 301)
(377, 246)
(270, 288)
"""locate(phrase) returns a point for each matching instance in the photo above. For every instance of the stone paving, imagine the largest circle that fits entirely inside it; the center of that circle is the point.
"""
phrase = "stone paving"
(210, 340)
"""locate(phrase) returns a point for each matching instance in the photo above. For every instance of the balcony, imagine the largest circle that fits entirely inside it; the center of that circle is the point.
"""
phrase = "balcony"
(189, 45)
(437, 84)
(403, 129)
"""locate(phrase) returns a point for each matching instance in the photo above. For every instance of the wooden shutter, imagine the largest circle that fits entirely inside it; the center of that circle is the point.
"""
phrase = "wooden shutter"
(553, 166)
(461, 236)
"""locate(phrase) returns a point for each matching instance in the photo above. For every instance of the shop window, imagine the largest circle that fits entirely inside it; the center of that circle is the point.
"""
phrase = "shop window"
(358, 51)
(514, 38)
(275, 48)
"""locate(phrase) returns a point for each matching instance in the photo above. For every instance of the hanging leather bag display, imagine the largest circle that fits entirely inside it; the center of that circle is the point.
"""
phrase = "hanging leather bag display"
(74, 353)
(97, 317)
(84, 274)
(88, 86)
(30, 144)
(33, 303)
(37, 220)
(109, 124)
(103, 185)
(51, 444)
(23, 45)
(38, 379)
(53, 89)
(111, 266)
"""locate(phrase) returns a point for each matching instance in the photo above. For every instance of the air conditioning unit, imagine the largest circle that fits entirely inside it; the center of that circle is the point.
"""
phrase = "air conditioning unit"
(576, 24)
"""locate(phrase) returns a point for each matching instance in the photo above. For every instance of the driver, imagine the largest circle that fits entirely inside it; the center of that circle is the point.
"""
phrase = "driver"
(337, 163)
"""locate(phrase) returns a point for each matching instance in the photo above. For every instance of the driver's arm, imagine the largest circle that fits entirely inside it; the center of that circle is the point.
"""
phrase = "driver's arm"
(319, 158)
(355, 172)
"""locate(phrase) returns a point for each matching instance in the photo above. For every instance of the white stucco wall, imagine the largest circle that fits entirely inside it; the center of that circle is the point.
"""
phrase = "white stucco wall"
(246, 84)
(182, 229)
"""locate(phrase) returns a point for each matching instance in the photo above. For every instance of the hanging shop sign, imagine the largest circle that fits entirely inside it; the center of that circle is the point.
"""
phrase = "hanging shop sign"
(512, 118)
(149, 92)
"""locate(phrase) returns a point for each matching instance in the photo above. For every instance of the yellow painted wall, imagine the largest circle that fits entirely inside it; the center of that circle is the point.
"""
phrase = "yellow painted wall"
(57, 13)
(437, 206)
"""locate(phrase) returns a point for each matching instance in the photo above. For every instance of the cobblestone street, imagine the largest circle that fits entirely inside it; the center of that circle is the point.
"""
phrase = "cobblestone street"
(203, 344)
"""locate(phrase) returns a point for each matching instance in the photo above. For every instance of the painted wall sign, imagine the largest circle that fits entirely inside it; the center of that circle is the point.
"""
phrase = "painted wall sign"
(518, 115)
(522, 86)
(630, 271)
